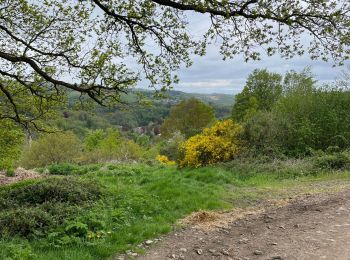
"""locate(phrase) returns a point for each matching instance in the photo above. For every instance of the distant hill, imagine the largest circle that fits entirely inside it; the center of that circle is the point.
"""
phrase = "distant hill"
(142, 109)
(215, 98)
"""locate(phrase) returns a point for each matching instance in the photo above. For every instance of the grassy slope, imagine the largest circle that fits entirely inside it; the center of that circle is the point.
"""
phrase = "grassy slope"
(142, 202)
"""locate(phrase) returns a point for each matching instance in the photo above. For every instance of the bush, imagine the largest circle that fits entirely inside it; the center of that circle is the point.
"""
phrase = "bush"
(16, 250)
(165, 160)
(62, 169)
(335, 161)
(24, 221)
(10, 173)
(109, 145)
(11, 141)
(51, 149)
(66, 190)
(171, 147)
(219, 143)
(33, 209)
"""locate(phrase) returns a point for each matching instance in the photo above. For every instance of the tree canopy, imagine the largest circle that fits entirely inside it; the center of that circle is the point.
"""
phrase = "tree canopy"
(261, 92)
(189, 117)
(100, 48)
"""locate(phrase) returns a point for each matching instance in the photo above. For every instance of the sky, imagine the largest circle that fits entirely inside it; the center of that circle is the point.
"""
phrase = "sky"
(210, 74)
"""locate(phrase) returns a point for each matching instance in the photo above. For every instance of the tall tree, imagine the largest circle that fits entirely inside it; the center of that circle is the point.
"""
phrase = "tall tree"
(189, 117)
(54, 46)
(261, 92)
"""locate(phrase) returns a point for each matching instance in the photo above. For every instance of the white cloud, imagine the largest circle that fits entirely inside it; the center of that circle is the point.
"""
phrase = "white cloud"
(207, 84)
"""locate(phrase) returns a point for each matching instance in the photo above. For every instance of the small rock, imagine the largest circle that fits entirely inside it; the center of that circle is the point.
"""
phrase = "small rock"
(225, 252)
(296, 225)
(274, 243)
(276, 257)
(148, 242)
(134, 254)
(212, 250)
(243, 241)
(258, 252)
(199, 251)
(181, 256)
(282, 227)
(173, 256)
(184, 250)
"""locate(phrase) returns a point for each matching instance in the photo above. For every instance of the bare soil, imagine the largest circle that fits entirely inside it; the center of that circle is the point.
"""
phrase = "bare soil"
(312, 226)
(20, 174)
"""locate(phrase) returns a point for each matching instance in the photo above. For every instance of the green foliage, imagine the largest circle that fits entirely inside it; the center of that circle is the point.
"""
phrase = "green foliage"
(51, 148)
(171, 147)
(317, 120)
(303, 119)
(68, 190)
(34, 209)
(93, 139)
(137, 203)
(16, 250)
(11, 141)
(261, 92)
(189, 117)
(263, 134)
(10, 173)
(109, 145)
(334, 161)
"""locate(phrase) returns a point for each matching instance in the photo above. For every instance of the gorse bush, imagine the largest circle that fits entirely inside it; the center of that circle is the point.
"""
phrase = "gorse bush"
(218, 143)
(62, 169)
(33, 209)
(68, 190)
(165, 160)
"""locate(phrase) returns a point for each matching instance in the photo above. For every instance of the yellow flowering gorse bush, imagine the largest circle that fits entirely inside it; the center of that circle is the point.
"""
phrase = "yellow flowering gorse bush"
(218, 143)
(165, 160)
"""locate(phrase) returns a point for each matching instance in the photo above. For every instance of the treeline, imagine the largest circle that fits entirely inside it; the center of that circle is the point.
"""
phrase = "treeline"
(292, 115)
(276, 116)
(142, 110)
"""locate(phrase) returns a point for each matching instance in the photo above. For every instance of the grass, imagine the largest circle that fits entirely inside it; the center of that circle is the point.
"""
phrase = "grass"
(139, 202)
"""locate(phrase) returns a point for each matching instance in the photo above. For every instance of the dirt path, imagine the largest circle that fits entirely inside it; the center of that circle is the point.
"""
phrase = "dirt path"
(309, 227)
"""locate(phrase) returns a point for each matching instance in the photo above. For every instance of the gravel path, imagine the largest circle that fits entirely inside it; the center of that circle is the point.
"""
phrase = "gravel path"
(309, 227)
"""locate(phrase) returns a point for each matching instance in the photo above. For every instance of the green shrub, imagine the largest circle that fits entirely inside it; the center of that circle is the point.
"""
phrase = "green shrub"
(37, 208)
(77, 229)
(335, 161)
(10, 173)
(171, 147)
(24, 222)
(62, 169)
(16, 250)
(11, 142)
(66, 190)
(51, 149)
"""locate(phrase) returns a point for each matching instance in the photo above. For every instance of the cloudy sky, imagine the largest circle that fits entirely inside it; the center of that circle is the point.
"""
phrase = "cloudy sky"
(210, 74)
